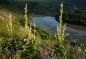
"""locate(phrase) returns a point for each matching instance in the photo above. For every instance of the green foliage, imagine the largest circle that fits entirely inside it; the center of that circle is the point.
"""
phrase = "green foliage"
(22, 22)
(69, 50)
(15, 46)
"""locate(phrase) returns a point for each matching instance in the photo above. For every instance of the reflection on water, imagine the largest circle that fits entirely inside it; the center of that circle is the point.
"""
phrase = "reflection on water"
(49, 24)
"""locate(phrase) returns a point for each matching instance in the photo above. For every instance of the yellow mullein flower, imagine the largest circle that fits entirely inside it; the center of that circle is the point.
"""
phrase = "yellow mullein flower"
(10, 26)
(25, 8)
(61, 5)
(26, 22)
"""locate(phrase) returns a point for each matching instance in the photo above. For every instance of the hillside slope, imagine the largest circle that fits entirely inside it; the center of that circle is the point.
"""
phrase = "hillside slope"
(79, 3)
(4, 17)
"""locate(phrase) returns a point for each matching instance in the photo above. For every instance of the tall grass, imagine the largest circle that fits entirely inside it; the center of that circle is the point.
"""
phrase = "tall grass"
(34, 47)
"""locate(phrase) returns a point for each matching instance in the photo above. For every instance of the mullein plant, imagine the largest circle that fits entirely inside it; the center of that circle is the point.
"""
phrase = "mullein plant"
(27, 29)
(61, 30)
(12, 42)
(60, 48)
(7, 46)
(58, 51)
(31, 44)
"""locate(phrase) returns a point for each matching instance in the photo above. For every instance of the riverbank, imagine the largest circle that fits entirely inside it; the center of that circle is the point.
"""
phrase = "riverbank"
(50, 25)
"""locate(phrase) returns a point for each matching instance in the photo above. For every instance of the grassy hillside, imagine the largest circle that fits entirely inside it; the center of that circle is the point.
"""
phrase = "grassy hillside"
(18, 21)
(4, 17)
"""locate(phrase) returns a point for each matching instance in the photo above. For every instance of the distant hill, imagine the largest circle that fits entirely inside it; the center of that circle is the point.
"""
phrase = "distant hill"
(42, 7)
(74, 17)
(79, 3)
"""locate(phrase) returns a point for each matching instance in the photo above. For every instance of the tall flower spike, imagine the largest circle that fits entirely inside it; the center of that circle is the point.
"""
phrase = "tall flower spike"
(26, 18)
(27, 28)
(26, 21)
(25, 8)
(10, 25)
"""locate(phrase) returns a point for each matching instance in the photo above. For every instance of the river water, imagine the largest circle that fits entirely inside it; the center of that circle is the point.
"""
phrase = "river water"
(48, 24)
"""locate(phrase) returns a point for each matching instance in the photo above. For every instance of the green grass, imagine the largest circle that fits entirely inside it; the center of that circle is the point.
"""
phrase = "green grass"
(3, 29)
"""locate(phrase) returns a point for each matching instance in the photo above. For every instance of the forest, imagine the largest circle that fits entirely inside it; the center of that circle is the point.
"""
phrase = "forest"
(38, 7)
(74, 17)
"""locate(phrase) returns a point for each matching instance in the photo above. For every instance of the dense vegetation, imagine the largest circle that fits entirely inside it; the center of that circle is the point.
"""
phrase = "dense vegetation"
(74, 17)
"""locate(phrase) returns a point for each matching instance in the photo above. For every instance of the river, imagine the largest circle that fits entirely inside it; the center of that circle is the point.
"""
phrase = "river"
(48, 24)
